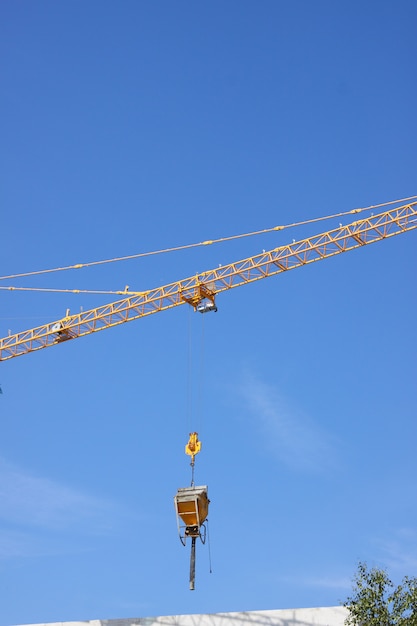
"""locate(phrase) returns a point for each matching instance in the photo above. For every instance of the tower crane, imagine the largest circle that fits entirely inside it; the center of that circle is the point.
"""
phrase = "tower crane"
(200, 290)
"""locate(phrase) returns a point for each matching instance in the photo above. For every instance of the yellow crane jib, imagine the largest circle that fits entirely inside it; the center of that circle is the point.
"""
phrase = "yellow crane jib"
(200, 291)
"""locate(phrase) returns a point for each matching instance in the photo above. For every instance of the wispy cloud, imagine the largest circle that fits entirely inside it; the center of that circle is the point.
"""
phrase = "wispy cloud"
(399, 551)
(36, 513)
(320, 582)
(294, 437)
(37, 501)
(28, 543)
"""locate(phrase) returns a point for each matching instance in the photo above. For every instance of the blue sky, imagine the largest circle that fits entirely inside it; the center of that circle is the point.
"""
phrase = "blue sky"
(136, 126)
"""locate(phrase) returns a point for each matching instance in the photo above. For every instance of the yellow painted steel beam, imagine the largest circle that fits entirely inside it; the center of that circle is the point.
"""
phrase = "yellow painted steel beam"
(207, 284)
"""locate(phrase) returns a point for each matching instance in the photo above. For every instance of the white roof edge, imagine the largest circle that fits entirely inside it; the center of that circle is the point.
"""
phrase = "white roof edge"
(320, 616)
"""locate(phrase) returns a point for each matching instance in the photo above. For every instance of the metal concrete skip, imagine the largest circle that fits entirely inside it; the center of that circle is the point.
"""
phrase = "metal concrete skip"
(191, 507)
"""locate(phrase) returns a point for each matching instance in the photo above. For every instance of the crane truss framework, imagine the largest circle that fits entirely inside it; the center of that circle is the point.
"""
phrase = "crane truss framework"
(208, 284)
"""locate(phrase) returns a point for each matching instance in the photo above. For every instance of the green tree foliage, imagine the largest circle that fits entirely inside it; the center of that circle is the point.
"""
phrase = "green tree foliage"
(377, 602)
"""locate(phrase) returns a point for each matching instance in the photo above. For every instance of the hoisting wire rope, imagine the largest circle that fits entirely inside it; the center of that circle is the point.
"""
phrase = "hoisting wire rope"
(195, 375)
(201, 378)
(194, 385)
(189, 403)
(188, 246)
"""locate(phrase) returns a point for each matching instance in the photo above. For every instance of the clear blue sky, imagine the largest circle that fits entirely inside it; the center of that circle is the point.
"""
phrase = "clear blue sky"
(134, 126)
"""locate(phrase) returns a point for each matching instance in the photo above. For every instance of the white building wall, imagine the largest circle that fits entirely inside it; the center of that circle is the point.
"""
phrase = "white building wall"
(326, 616)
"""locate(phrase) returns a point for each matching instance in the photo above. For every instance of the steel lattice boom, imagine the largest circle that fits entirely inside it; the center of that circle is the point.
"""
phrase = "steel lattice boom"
(207, 284)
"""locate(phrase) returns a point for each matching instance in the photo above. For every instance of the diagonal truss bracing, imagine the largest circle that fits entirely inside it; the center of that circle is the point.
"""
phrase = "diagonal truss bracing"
(190, 290)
